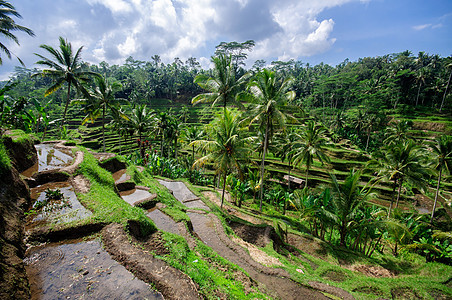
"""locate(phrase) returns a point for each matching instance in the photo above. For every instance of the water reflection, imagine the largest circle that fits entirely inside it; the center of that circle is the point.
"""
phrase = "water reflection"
(81, 270)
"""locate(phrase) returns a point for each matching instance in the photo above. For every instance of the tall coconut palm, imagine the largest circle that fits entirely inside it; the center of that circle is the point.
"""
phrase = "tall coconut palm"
(285, 143)
(8, 25)
(442, 149)
(348, 197)
(268, 96)
(227, 147)
(402, 162)
(397, 132)
(223, 87)
(64, 67)
(100, 100)
(310, 145)
(191, 134)
(141, 119)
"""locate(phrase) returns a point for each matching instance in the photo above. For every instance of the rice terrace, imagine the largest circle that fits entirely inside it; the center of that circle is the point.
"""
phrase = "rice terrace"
(172, 180)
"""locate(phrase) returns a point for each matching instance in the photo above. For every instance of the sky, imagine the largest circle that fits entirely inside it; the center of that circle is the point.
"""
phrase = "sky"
(312, 31)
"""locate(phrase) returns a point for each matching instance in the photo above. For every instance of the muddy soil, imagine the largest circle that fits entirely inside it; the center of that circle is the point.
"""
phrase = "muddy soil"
(276, 286)
(172, 283)
(162, 221)
(81, 270)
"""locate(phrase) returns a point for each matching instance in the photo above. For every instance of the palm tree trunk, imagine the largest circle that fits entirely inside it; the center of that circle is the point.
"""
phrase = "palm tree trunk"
(103, 128)
(224, 187)
(307, 173)
(398, 193)
(288, 185)
(368, 138)
(418, 91)
(67, 104)
(445, 92)
(193, 154)
(375, 246)
(392, 197)
(436, 194)
(140, 144)
(261, 191)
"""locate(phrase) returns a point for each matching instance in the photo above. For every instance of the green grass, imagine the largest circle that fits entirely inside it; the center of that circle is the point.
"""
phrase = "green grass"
(215, 276)
(173, 207)
(5, 162)
(102, 200)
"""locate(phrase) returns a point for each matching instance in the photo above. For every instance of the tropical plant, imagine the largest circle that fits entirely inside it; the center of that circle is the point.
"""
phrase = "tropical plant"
(223, 87)
(348, 197)
(66, 68)
(141, 119)
(309, 145)
(8, 26)
(227, 147)
(285, 142)
(268, 96)
(101, 99)
(442, 150)
(402, 162)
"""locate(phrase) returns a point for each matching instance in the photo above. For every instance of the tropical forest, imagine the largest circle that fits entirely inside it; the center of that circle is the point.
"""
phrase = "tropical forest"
(280, 180)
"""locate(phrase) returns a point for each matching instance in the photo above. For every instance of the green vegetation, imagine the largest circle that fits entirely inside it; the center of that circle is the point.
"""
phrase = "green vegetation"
(5, 162)
(349, 131)
(102, 200)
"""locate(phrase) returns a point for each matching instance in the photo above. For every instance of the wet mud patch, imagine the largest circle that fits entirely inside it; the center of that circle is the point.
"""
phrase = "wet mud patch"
(404, 293)
(156, 243)
(81, 270)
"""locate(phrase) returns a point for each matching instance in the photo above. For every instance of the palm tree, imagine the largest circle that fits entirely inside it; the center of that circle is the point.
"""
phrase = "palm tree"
(348, 197)
(447, 87)
(8, 25)
(402, 162)
(397, 132)
(100, 99)
(310, 144)
(223, 87)
(65, 68)
(227, 147)
(285, 143)
(442, 149)
(268, 96)
(141, 119)
(191, 134)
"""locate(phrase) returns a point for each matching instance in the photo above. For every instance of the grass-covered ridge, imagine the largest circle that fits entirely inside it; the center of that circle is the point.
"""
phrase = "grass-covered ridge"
(103, 201)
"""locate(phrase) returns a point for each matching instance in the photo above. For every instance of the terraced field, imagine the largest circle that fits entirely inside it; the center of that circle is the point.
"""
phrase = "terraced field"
(343, 155)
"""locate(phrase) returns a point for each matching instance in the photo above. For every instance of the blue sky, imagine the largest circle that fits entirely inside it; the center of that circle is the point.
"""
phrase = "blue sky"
(312, 31)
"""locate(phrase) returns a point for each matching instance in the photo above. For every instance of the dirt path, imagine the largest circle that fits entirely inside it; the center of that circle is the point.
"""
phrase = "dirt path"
(209, 229)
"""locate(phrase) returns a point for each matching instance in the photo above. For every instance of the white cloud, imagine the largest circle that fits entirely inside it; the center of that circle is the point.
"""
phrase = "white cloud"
(421, 27)
(112, 30)
(115, 6)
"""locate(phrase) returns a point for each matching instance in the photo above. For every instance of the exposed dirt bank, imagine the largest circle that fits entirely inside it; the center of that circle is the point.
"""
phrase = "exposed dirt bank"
(172, 283)
(14, 199)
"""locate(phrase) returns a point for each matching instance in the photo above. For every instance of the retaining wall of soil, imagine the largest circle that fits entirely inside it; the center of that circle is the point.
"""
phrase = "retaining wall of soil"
(14, 199)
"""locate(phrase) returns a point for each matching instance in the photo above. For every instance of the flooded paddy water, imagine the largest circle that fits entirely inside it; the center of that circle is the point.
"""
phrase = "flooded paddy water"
(81, 270)
(72, 269)
(49, 158)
